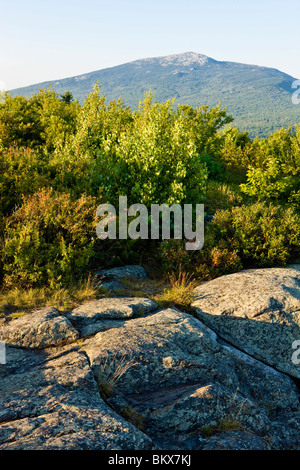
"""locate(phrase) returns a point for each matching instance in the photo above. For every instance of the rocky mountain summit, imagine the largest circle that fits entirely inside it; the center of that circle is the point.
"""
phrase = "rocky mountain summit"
(122, 373)
(186, 59)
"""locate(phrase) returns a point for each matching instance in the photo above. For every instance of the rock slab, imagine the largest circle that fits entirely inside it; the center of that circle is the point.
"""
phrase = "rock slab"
(122, 374)
(42, 328)
(258, 311)
(182, 379)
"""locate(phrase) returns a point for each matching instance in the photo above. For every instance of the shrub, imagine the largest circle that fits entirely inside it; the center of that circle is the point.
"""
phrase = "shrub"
(86, 162)
(224, 260)
(215, 169)
(156, 159)
(220, 196)
(41, 120)
(214, 259)
(261, 234)
(20, 122)
(271, 182)
(49, 239)
(247, 236)
(174, 257)
(23, 171)
(275, 175)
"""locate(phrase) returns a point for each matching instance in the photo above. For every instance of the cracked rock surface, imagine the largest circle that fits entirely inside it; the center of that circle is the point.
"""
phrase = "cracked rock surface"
(120, 373)
(42, 328)
(258, 311)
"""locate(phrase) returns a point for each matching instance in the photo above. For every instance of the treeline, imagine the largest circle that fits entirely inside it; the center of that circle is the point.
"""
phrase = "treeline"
(60, 160)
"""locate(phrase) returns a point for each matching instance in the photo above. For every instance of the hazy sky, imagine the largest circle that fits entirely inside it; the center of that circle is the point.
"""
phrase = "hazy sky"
(43, 40)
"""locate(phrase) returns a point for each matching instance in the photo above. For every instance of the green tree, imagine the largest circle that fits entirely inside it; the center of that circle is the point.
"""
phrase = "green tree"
(156, 159)
(277, 176)
(67, 97)
(20, 123)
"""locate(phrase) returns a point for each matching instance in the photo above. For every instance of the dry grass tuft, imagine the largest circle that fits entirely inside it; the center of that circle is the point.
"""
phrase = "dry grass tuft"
(110, 370)
(18, 301)
(179, 293)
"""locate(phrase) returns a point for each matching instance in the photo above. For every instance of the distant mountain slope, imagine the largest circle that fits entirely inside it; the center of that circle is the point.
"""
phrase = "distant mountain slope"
(259, 98)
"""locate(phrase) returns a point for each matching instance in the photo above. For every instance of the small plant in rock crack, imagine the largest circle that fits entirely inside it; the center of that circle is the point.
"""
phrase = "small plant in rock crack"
(131, 415)
(179, 294)
(231, 422)
(225, 425)
(110, 370)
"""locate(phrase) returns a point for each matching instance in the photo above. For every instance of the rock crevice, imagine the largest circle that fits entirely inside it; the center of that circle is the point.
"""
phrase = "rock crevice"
(120, 373)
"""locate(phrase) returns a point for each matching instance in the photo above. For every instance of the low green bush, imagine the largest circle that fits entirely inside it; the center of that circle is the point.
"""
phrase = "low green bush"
(261, 234)
(48, 240)
(257, 235)
(209, 262)
(23, 171)
(221, 196)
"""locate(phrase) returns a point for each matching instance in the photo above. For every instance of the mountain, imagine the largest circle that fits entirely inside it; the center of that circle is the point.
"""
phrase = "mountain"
(259, 98)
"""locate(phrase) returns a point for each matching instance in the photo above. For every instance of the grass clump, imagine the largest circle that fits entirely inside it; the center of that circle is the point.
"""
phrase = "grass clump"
(131, 415)
(173, 290)
(229, 424)
(179, 293)
(109, 372)
(225, 425)
(20, 300)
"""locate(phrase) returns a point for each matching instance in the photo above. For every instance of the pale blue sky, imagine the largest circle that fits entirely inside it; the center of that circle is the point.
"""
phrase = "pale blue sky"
(42, 40)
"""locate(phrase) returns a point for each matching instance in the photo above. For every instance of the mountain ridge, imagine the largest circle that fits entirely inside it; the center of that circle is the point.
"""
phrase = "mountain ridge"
(259, 98)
